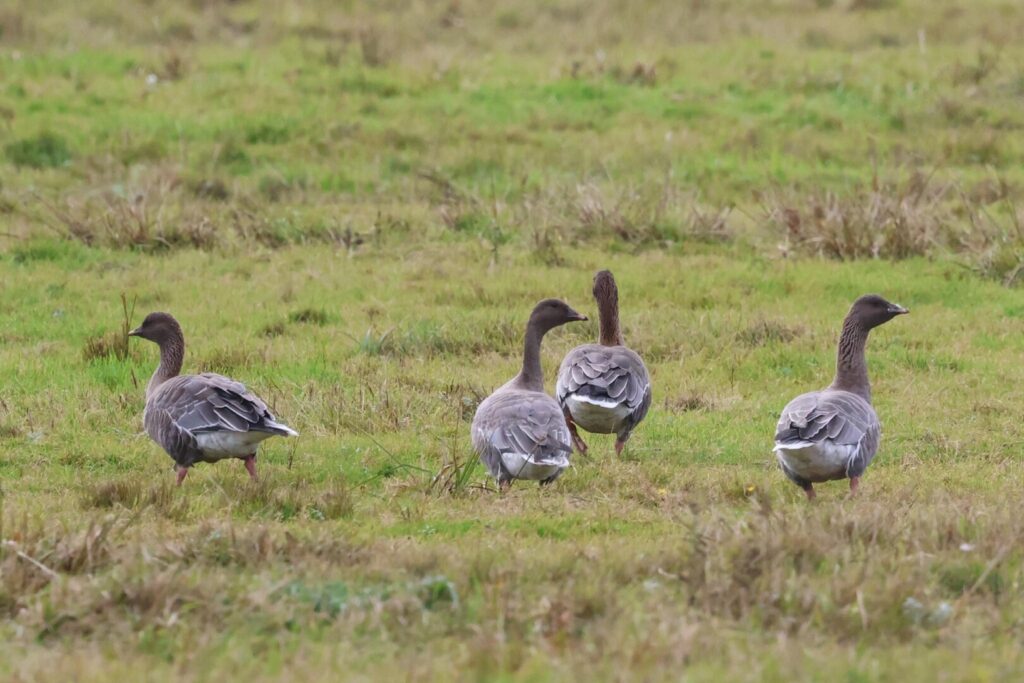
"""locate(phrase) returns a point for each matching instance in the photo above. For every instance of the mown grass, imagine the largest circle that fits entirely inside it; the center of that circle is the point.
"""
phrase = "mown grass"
(352, 208)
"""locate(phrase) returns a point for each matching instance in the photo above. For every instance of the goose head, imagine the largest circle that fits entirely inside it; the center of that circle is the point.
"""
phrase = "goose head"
(160, 328)
(871, 310)
(550, 313)
(605, 290)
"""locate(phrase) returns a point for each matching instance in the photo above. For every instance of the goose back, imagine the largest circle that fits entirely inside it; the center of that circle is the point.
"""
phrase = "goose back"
(826, 435)
(606, 389)
(208, 417)
(521, 434)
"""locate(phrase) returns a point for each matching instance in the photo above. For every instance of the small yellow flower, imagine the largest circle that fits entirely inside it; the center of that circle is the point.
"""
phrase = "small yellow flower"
(750, 489)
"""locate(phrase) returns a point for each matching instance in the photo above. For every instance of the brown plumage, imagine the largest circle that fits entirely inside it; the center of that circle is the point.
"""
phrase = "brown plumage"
(835, 433)
(200, 418)
(518, 431)
(604, 388)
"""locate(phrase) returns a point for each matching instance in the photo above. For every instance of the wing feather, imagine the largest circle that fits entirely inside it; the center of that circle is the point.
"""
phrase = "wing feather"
(839, 417)
(612, 375)
(211, 403)
(613, 372)
(522, 422)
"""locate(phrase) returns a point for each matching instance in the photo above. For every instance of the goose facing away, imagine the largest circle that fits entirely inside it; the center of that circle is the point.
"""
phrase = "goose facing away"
(834, 433)
(200, 418)
(604, 388)
(518, 431)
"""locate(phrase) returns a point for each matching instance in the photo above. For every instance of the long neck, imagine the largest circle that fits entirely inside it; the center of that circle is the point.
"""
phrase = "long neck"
(851, 366)
(531, 377)
(608, 312)
(172, 353)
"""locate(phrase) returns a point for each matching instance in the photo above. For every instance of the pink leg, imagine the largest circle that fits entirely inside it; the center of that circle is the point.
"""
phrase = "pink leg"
(854, 483)
(811, 495)
(619, 445)
(250, 466)
(182, 472)
(577, 440)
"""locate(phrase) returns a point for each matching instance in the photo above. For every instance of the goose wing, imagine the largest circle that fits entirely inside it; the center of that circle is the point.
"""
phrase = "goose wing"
(838, 418)
(214, 403)
(528, 424)
(610, 376)
(189, 406)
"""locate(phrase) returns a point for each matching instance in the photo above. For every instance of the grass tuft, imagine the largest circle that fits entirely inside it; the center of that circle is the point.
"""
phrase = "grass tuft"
(765, 332)
(45, 150)
(310, 316)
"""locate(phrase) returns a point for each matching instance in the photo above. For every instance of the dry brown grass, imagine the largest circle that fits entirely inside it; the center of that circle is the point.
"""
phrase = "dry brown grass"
(887, 221)
(150, 216)
(782, 567)
(919, 217)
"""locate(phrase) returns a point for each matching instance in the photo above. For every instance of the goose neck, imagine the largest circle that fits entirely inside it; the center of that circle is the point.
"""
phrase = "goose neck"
(172, 355)
(608, 313)
(531, 376)
(851, 364)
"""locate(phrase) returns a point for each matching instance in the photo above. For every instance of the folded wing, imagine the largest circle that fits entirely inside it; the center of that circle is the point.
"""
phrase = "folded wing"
(190, 409)
(210, 402)
(521, 427)
(832, 418)
(608, 376)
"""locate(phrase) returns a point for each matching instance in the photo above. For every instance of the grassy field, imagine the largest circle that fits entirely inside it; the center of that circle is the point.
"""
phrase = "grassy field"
(352, 207)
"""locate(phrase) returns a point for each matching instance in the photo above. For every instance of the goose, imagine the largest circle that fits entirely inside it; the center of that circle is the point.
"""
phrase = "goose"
(518, 431)
(834, 433)
(604, 388)
(200, 418)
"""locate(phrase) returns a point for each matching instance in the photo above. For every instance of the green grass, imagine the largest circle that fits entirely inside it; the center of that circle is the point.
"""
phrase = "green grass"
(353, 207)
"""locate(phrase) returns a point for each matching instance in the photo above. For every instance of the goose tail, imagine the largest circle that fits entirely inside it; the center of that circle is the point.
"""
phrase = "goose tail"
(282, 429)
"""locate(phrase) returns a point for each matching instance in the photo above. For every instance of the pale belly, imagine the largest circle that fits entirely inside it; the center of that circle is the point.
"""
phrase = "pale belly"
(596, 417)
(222, 445)
(522, 467)
(817, 462)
